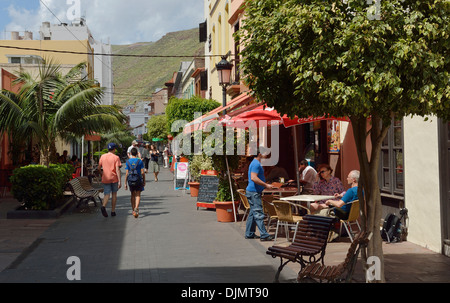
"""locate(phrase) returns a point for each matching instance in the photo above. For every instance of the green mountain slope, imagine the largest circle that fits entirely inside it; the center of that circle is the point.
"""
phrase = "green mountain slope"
(137, 78)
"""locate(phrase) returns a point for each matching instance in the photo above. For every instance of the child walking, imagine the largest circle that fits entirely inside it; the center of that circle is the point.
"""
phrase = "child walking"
(135, 177)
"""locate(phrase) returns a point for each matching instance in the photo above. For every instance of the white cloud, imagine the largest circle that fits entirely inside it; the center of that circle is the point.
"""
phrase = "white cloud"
(123, 22)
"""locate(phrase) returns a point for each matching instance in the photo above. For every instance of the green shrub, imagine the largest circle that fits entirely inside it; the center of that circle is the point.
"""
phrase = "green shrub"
(40, 187)
(199, 163)
(224, 192)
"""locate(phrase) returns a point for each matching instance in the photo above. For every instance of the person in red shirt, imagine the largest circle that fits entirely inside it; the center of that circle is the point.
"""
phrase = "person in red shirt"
(111, 178)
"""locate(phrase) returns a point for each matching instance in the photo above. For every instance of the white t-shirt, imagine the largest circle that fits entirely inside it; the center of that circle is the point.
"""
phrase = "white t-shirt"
(129, 151)
(308, 175)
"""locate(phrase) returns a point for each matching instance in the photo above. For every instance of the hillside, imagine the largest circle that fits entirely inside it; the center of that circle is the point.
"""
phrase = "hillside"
(136, 78)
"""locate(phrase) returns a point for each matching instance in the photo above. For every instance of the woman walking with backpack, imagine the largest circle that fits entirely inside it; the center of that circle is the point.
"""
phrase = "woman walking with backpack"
(135, 179)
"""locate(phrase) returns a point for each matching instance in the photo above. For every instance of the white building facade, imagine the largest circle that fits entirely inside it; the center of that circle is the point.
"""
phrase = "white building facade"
(78, 30)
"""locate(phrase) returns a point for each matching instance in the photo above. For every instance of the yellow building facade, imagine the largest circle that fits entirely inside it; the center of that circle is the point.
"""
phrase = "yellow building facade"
(27, 50)
(217, 13)
(24, 55)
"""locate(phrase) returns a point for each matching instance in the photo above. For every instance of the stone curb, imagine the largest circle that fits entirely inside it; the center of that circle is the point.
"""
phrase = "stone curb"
(40, 214)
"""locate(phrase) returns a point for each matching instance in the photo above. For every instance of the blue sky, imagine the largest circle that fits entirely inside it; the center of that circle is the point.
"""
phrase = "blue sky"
(5, 17)
(122, 22)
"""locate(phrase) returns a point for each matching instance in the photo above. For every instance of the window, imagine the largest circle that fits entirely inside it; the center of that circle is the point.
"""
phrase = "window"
(24, 59)
(392, 177)
(236, 56)
(202, 32)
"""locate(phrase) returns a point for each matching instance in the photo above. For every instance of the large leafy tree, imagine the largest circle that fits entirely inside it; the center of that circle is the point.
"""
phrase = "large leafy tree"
(53, 105)
(157, 128)
(185, 110)
(347, 58)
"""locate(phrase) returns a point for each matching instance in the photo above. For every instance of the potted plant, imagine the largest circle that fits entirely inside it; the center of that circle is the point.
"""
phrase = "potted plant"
(197, 164)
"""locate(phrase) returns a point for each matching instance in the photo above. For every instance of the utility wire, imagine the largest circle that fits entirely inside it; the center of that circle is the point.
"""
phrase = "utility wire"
(112, 55)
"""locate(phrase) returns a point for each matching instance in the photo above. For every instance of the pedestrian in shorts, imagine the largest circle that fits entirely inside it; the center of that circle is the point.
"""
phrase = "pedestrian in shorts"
(110, 163)
(135, 163)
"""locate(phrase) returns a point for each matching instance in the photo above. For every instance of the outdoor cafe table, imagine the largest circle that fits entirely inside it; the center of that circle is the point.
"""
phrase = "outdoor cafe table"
(307, 198)
(280, 191)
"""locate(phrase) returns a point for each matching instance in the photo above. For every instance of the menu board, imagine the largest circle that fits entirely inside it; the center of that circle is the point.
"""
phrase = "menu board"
(181, 175)
(207, 192)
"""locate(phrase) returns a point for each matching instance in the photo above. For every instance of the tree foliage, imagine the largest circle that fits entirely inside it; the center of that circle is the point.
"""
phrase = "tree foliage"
(313, 57)
(157, 127)
(185, 109)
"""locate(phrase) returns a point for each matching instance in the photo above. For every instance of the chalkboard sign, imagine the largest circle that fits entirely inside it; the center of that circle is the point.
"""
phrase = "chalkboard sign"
(207, 192)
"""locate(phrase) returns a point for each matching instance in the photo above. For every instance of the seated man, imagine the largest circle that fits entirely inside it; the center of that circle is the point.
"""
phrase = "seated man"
(307, 176)
(341, 208)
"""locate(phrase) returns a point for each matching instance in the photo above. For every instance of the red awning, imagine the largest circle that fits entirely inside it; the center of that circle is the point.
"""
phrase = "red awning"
(256, 114)
(297, 121)
(261, 112)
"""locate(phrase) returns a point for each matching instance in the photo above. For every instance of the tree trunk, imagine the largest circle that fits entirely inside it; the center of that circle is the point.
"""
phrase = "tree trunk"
(45, 155)
(368, 183)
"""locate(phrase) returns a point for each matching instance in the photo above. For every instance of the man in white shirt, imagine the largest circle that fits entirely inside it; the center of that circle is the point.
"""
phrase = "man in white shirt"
(134, 144)
(307, 176)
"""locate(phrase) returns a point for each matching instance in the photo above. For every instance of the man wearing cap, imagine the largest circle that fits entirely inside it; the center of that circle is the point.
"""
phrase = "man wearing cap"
(134, 144)
(111, 178)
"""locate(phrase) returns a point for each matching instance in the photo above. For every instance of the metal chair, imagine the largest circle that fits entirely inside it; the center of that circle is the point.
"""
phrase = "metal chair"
(269, 209)
(353, 217)
(244, 201)
(286, 216)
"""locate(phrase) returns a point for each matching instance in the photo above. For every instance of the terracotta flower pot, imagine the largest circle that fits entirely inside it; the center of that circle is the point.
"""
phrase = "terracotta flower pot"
(193, 187)
(224, 210)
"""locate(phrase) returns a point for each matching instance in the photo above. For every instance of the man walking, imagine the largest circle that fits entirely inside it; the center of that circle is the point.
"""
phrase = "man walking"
(256, 184)
(134, 144)
(111, 178)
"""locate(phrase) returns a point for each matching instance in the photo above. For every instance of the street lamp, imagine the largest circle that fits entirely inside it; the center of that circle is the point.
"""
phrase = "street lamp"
(224, 71)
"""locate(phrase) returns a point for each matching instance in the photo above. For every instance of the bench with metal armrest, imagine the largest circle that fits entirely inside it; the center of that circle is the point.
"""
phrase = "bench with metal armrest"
(82, 191)
(309, 244)
(335, 273)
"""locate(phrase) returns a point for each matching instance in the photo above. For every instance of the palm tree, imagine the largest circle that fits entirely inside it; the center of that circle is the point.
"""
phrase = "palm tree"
(53, 105)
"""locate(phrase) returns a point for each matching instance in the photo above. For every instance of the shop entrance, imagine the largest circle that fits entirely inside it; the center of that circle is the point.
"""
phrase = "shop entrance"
(445, 177)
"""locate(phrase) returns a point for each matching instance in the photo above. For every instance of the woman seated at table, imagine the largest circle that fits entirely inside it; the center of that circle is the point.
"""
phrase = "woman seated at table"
(326, 184)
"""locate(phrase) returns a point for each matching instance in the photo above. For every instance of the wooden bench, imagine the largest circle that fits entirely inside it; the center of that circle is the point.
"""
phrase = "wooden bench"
(87, 185)
(335, 273)
(309, 244)
(80, 193)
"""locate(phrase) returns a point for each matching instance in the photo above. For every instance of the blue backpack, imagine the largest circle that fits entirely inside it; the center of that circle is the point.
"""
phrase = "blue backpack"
(134, 176)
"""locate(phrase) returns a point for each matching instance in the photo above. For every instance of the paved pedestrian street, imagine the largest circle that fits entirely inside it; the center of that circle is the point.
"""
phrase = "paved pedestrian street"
(174, 243)
(171, 241)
